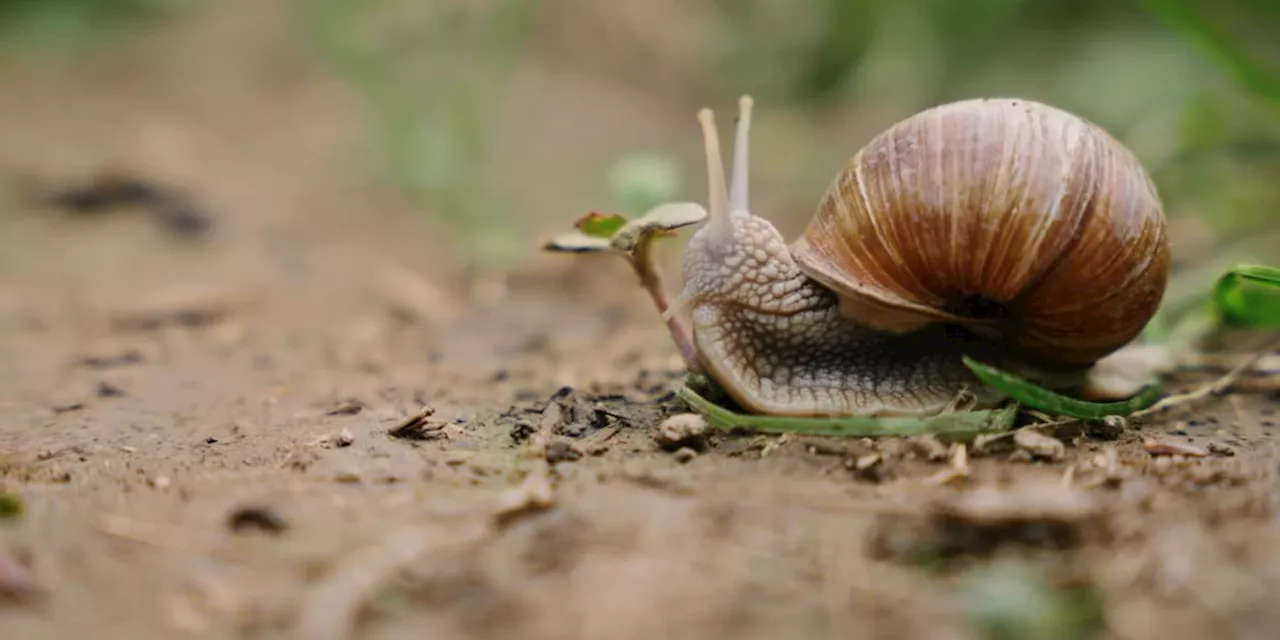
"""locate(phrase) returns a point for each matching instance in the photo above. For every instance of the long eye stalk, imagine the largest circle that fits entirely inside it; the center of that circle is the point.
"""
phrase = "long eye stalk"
(738, 194)
(718, 196)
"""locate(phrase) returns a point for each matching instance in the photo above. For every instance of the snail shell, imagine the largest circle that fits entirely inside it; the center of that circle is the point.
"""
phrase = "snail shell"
(1013, 218)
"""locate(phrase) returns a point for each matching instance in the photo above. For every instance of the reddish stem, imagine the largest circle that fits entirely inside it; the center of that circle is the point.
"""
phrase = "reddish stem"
(646, 268)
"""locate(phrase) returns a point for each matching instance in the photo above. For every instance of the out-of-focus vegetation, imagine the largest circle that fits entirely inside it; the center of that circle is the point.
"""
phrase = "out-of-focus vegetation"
(1192, 87)
(433, 75)
(72, 26)
(1188, 88)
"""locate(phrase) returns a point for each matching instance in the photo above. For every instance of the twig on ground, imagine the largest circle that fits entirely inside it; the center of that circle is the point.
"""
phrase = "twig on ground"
(1217, 387)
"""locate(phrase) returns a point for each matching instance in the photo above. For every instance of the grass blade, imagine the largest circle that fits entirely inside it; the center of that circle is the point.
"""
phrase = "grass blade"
(1037, 397)
(960, 425)
(1249, 296)
(1248, 68)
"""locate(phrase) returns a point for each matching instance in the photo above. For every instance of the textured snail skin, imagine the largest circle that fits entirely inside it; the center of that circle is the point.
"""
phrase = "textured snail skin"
(1008, 201)
(971, 207)
(777, 343)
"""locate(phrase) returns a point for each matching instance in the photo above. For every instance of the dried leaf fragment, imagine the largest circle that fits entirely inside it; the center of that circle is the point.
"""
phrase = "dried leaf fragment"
(1169, 448)
(417, 426)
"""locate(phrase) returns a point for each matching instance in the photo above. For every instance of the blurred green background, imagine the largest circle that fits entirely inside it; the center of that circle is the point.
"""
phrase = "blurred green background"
(1192, 87)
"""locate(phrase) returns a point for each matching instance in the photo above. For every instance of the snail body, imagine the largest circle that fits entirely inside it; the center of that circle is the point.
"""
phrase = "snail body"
(1006, 230)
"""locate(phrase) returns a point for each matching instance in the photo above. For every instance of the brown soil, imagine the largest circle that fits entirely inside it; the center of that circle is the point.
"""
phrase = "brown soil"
(199, 429)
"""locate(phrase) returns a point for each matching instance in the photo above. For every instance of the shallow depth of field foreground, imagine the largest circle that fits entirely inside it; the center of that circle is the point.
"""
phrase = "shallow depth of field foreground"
(281, 355)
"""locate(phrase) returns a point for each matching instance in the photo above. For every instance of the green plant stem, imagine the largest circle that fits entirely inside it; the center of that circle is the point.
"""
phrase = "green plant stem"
(958, 425)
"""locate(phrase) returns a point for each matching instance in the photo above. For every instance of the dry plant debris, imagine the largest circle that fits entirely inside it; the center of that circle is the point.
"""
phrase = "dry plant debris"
(418, 426)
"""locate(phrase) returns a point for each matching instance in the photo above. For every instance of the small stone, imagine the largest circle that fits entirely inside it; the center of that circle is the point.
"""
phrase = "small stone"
(681, 430)
(521, 430)
(348, 408)
(562, 451)
(1219, 449)
(1021, 455)
(684, 454)
(259, 518)
(929, 447)
(867, 461)
(1116, 424)
(1039, 445)
(457, 458)
(870, 467)
(345, 438)
(110, 390)
(65, 406)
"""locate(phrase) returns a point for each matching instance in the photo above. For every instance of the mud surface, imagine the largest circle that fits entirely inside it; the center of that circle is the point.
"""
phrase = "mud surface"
(199, 418)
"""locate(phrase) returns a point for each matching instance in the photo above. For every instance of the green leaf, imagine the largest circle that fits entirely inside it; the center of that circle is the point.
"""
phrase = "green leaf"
(1249, 296)
(600, 225)
(960, 425)
(1037, 397)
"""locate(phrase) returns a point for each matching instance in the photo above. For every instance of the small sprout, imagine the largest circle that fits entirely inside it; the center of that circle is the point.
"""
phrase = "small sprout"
(633, 241)
(661, 221)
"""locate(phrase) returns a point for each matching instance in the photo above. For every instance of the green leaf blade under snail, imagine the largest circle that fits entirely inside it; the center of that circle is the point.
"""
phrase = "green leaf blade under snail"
(1037, 397)
(959, 426)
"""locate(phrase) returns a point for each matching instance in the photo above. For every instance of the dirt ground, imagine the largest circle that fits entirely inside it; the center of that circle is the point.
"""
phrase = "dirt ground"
(199, 426)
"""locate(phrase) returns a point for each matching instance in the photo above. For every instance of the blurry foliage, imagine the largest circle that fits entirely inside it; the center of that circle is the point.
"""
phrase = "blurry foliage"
(1009, 601)
(71, 26)
(432, 74)
(1185, 84)
(1192, 87)
(1178, 82)
(642, 181)
(1235, 34)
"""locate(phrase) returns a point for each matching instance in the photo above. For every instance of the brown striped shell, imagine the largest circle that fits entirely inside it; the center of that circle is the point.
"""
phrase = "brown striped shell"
(1012, 217)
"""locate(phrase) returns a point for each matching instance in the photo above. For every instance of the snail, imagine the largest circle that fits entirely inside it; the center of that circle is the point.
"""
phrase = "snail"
(1006, 230)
